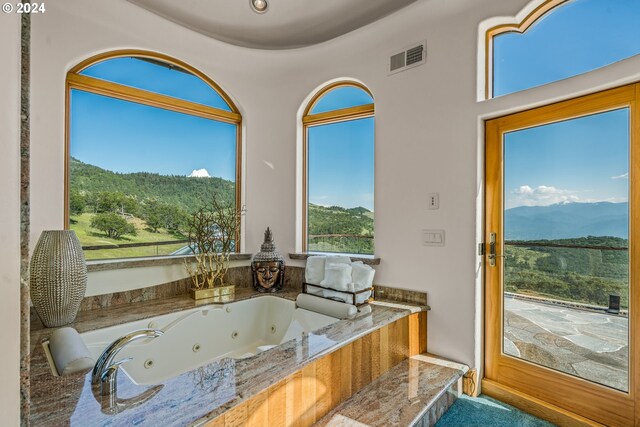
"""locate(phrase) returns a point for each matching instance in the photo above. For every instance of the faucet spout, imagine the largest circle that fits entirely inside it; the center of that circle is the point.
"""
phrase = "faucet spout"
(105, 370)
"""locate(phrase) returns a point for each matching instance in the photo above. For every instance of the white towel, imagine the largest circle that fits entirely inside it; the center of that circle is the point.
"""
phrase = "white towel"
(362, 276)
(338, 259)
(337, 276)
(338, 296)
(360, 298)
(314, 271)
(314, 290)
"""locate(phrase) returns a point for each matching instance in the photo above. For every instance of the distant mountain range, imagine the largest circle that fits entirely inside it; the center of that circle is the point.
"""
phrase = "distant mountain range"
(567, 220)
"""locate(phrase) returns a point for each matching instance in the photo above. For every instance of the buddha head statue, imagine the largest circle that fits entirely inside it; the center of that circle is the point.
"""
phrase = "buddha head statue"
(268, 266)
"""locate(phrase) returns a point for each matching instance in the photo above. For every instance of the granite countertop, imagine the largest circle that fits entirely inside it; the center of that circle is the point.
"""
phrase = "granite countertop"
(401, 396)
(195, 396)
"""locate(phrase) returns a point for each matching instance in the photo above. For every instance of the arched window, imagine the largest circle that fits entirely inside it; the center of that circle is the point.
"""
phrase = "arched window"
(560, 39)
(148, 138)
(339, 170)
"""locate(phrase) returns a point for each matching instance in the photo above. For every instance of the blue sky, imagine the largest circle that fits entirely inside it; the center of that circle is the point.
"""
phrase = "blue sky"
(341, 164)
(581, 160)
(125, 137)
(574, 38)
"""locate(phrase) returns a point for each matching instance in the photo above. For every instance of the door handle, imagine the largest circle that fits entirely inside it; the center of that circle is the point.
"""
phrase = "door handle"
(492, 250)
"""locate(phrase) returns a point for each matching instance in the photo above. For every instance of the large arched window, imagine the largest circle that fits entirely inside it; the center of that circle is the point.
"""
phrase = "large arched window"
(560, 39)
(148, 139)
(339, 170)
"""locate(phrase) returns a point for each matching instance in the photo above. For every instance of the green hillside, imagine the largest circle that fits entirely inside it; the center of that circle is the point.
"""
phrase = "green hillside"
(110, 209)
(572, 274)
(182, 191)
(337, 229)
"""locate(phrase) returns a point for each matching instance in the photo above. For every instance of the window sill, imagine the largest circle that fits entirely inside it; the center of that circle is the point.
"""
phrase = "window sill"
(366, 259)
(122, 263)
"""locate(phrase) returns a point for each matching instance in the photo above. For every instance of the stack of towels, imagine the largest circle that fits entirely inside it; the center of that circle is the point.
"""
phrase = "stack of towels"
(339, 273)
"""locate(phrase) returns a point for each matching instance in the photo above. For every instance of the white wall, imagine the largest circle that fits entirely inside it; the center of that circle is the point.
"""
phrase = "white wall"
(10, 219)
(428, 131)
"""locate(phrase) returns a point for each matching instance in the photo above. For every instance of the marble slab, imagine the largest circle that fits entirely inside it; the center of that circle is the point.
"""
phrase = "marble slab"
(386, 293)
(241, 277)
(193, 397)
(414, 392)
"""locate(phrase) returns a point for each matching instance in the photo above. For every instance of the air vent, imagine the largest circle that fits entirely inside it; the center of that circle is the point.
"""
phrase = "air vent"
(408, 57)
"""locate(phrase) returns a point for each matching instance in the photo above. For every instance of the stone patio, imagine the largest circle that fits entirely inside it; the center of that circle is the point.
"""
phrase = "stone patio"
(586, 344)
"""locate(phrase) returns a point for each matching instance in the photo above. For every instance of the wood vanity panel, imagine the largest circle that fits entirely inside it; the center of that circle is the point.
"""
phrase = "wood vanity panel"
(345, 365)
(301, 399)
(418, 334)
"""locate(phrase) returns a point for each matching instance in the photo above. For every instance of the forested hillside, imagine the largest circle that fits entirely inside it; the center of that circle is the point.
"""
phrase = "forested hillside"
(181, 191)
(337, 229)
(109, 209)
(567, 273)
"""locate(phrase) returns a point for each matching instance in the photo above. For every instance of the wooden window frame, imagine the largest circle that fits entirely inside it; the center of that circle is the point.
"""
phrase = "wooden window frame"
(75, 80)
(324, 118)
(540, 389)
(518, 27)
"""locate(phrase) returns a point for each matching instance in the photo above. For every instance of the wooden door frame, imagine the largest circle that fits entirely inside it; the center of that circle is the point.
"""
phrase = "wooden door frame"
(540, 384)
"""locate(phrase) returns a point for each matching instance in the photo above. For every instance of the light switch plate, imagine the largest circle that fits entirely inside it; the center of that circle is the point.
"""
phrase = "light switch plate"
(433, 237)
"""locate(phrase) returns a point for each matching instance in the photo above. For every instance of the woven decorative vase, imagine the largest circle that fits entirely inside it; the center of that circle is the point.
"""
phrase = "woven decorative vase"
(58, 277)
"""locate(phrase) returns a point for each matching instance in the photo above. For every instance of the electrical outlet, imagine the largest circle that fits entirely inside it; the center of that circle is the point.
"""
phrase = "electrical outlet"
(434, 201)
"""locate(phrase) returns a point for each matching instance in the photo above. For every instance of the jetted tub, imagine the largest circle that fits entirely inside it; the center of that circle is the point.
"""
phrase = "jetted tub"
(201, 335)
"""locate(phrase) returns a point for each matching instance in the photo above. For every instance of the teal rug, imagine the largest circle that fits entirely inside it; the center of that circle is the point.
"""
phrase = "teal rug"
(483, 411)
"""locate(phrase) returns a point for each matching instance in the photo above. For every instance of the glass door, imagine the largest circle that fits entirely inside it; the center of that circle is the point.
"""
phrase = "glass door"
(559, 263)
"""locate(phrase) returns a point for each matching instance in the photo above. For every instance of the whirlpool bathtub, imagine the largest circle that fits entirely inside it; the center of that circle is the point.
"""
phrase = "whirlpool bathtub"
(202, 335)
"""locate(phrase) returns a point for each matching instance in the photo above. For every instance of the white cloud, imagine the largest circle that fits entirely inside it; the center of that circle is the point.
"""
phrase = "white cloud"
(623, 176)
(540, 196)
(199, 173)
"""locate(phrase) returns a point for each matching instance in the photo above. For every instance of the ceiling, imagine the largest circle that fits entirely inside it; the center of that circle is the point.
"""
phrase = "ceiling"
(286, 24)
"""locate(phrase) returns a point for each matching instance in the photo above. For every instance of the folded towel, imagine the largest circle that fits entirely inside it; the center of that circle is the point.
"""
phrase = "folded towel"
(360, 298)
(337, 276)
(362, 276)
(314, 271)
(338, 259)
(69, 352)
(313, 290)
(338, 296)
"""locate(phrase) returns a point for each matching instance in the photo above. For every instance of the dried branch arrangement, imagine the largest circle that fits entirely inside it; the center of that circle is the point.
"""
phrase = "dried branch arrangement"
(212, 232)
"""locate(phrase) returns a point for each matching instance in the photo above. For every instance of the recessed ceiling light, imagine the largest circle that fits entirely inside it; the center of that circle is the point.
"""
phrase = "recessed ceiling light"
(259, 6)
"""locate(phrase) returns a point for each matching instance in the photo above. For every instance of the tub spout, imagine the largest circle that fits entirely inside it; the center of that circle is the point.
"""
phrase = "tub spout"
(105, 370)
(112, 405)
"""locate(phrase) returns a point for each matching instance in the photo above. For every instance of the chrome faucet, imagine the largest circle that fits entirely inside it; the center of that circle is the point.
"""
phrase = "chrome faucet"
(105, 370)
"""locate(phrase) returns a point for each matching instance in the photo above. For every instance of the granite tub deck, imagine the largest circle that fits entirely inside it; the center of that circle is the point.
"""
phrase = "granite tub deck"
(197, 396)
(414, 393)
